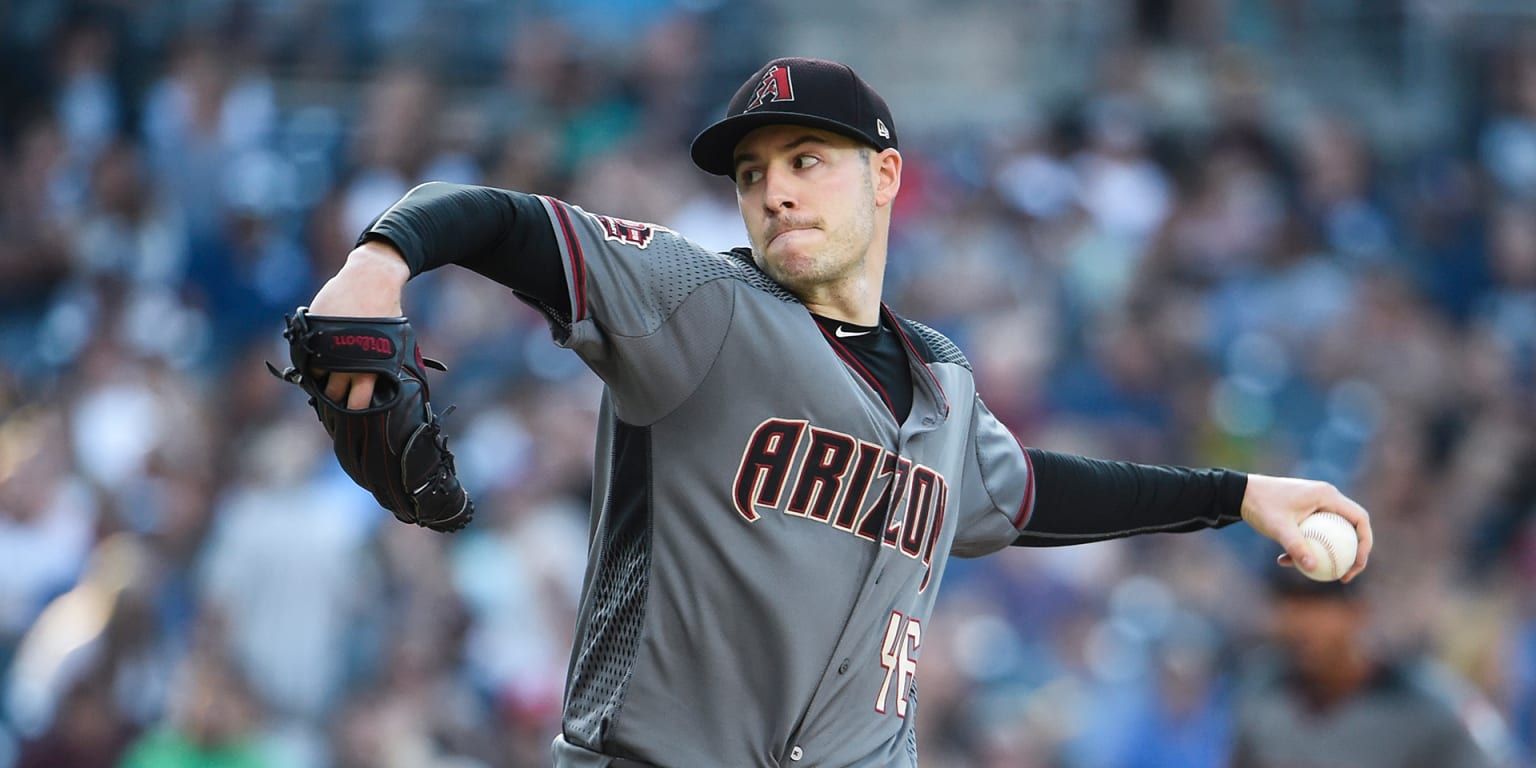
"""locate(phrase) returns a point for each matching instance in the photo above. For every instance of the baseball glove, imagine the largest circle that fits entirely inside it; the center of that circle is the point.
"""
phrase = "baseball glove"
(394, 448)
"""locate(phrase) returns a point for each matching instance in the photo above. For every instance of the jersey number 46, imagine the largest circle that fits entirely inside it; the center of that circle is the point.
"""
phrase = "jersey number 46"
(898, 657)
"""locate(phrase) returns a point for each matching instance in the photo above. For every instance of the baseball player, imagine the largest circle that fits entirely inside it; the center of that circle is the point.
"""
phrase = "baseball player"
(784, 464)
(1324, 694)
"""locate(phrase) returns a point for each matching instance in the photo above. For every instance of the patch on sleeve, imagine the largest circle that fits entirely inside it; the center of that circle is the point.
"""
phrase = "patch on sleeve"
(627, 232)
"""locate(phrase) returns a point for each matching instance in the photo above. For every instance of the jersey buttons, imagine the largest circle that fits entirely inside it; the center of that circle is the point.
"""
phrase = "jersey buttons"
(843, 667)
(795, 754)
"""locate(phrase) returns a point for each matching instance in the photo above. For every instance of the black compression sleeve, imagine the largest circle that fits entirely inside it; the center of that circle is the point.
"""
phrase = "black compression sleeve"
(1079, 499)
(501, 234)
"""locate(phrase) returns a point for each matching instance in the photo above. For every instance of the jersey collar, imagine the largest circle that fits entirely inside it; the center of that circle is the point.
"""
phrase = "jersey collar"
(921, 356)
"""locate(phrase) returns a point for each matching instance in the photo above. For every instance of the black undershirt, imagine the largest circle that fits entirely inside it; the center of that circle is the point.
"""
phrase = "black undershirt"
(478, 228)
(880, 355)
(507, 237)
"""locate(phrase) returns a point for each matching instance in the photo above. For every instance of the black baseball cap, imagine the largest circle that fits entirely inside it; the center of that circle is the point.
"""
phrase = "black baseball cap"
(812, 92)
(1291, 582)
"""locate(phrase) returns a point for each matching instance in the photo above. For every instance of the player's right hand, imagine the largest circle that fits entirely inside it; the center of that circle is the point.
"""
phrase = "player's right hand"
(1275, 507)
(370, 284)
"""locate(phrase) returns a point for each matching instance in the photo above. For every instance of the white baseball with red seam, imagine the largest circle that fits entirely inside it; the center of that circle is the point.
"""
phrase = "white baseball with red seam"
(1333, 542)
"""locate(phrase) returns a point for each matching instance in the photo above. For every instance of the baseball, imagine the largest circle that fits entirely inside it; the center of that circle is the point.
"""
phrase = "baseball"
(1333, 541)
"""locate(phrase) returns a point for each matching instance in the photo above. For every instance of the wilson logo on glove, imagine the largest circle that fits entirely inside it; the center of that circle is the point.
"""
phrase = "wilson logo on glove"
(395, 447)
(378, 345)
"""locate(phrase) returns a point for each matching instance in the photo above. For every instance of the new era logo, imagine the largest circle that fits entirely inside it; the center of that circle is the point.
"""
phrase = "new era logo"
(885, 133)
(775, 86)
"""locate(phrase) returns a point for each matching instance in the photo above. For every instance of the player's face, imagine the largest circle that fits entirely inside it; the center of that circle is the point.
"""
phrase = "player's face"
(808, 199)
(1320, 633)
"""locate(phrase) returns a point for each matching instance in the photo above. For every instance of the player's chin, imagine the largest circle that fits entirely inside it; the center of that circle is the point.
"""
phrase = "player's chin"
(794, 257)
(792, 269)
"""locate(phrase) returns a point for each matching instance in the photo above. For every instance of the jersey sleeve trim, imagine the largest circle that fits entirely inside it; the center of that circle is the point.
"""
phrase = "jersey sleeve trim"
(570, 245)
(1027, 506)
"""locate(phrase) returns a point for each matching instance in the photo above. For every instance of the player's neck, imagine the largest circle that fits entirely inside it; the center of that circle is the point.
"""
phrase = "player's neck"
(846, 313)
(856, 298)
(855, 301)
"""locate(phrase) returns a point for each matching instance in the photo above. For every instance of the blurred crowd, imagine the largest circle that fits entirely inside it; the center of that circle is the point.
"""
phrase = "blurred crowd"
(1174, 264)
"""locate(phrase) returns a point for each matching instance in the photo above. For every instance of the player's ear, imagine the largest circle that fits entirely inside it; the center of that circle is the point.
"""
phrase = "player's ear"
(887, 176)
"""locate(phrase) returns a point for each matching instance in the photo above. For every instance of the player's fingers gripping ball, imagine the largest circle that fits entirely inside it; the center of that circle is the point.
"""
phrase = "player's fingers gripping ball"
(1333, 543)
(395, 447)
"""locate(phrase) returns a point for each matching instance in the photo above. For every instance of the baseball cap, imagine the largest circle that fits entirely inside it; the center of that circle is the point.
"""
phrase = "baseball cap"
(798, 91)
(1291, 582)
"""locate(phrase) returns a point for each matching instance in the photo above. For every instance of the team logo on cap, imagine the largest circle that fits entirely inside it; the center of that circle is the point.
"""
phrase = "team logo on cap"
(775, 86)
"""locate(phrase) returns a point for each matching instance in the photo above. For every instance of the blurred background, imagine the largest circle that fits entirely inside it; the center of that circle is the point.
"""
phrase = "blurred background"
(1283, 236)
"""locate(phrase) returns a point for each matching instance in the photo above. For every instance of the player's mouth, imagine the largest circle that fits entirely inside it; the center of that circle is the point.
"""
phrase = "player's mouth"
(777, 232)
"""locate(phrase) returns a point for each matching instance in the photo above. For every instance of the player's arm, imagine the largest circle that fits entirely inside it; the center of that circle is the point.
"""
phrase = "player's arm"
(1079, 499)
(501, 234)
(1035, 498)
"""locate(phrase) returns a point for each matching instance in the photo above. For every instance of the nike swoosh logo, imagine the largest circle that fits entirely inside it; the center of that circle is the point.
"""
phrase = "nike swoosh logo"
(844, 333)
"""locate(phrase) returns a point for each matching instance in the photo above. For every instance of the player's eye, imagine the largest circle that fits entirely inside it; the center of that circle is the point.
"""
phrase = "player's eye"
(806, 161)
(748, 176)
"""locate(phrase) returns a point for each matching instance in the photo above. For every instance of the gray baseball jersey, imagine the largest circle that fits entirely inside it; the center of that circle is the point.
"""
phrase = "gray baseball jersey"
(767, 534)
(767, 541)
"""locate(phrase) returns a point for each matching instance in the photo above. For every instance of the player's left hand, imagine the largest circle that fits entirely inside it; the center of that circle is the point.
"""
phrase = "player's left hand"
(1275, 507)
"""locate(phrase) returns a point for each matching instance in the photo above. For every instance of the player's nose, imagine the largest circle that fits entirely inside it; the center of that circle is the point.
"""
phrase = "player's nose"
(778, 191)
